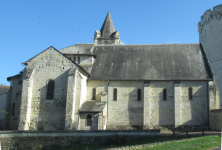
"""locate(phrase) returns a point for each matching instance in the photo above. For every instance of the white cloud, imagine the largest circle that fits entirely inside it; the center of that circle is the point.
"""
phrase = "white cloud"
(123, 43)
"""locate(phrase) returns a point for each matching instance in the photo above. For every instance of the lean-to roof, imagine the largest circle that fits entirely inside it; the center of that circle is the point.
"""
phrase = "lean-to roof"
(92, 106)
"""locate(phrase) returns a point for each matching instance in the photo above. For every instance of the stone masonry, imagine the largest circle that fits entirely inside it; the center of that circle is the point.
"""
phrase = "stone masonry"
(210, 34)
(36, 111)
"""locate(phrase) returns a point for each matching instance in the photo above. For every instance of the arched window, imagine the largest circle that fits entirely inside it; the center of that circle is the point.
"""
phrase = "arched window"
(115, 94)
(190, 91)
(139, 95)
(13, 109)
(50, 89)
(164, 94)
(88, 120)
(78, 60)
(94, 94)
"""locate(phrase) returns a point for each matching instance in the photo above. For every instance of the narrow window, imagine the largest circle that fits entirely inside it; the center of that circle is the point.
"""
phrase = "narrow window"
(50, 89)
(190, 91)
(70, 58)
(115, 94)
(94, 94)
(74, 59)
(17, 95)
(78, 60)
(139, 95)
(164, 94)
(13, 109)
(88, 120)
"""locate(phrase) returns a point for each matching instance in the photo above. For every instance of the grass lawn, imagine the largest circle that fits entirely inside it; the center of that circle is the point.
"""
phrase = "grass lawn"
(159, 143)
(203, 143)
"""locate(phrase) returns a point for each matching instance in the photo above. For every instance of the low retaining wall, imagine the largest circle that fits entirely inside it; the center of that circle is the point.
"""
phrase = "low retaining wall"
(216, 119)
(31, 140)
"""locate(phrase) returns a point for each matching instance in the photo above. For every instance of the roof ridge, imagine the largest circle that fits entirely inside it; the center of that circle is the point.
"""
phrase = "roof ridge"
(76, 44)
(149, 44)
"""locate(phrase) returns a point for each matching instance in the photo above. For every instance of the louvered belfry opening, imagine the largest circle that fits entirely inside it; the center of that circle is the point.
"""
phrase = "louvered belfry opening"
(89, 120)
(139, 95)
(190, 91)
(115, 94)
(164, 94)
(50, 89)
(94, 94)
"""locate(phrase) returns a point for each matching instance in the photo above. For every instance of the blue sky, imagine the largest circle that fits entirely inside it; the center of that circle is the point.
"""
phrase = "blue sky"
(29, 27)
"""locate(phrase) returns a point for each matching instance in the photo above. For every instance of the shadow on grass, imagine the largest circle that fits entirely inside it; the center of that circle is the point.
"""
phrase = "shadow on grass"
(121, 141)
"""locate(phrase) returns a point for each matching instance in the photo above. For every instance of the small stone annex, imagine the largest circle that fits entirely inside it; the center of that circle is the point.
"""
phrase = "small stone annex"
(106, 85)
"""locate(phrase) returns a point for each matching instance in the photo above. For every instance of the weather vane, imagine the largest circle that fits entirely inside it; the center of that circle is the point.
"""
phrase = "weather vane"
(108, 7)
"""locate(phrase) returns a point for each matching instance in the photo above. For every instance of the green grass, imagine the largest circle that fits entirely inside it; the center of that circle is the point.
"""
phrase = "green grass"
(168, 143)
(203, 143)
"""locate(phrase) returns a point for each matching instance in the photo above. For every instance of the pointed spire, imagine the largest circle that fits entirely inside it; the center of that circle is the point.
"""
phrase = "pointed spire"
(108, 27)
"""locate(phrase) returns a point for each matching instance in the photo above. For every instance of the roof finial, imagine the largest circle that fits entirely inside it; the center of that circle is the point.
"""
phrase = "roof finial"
(108, 7)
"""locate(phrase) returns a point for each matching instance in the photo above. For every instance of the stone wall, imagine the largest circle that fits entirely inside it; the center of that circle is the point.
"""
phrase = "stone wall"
(2, 107)
(13, 97)
(210, 29)
(195, 111)
(161, 111)
(82, 119)
(216, 119)
(26, 140)
(39, 112)
(77, 102)
(126, 112)
(99, 85)
(72, 88)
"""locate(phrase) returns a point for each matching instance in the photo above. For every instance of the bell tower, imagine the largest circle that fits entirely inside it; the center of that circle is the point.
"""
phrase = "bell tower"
(107, 34)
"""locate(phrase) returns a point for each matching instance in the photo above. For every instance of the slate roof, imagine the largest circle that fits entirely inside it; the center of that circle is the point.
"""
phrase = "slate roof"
(18, 75)
(150, 62)
(4, 89)
(78, 49)
(108, 27)
(92, 106)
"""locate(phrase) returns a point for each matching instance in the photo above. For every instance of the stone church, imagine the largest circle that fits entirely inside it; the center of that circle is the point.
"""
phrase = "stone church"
(106, 85)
